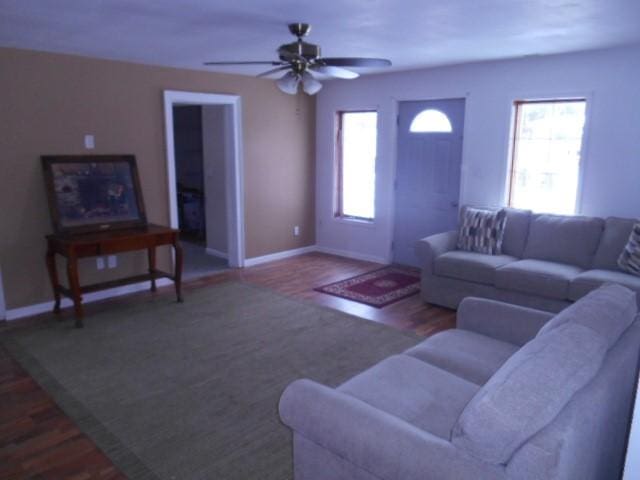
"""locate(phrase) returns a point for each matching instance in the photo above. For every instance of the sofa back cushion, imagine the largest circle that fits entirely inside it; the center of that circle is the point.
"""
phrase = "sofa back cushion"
(528, 392)
(614, 239)
(608, 311)
(564, 239)
(516, 229)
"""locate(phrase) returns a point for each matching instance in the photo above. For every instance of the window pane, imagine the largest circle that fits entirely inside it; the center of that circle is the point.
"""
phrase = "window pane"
(430, 121)
(546, 156)
(359, 133)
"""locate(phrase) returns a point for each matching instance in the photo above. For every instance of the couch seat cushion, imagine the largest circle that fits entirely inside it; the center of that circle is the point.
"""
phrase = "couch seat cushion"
(466, 354)
(537, 277)
(564, 239)
(470, 266)
(592, 279)
(421, 394)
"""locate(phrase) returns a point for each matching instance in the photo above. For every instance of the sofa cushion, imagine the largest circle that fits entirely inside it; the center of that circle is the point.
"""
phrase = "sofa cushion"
(528, 392)
(470, 266)
(466, 354)
(482, 231)
(608, 311)
(563, 239)
(614, 239)
(516, 232)
(423, 395)
(629, 260)
(516, 229)
(537, 277)
(592, 279)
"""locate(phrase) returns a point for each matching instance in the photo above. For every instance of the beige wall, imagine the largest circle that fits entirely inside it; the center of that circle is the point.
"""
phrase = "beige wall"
(50, 101)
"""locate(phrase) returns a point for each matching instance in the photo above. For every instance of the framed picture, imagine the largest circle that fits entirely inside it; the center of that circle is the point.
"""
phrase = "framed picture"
(89, 193)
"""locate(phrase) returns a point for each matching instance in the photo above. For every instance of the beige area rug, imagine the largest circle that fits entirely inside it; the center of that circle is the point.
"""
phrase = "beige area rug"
(190, 391)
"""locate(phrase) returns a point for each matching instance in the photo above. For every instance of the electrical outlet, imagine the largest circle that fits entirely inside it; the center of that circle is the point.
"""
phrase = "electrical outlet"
(100, 263)
(112, 261)
(296, 231)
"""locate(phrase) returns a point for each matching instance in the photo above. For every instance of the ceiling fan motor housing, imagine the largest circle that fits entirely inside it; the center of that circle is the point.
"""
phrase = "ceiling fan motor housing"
(291, 51)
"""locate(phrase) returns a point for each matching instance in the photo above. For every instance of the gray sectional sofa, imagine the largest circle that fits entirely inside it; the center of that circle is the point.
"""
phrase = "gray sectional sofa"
(511, 393)
(547, 262)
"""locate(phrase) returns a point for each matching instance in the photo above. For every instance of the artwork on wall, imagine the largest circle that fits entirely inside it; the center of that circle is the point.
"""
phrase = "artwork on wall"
(90, 193)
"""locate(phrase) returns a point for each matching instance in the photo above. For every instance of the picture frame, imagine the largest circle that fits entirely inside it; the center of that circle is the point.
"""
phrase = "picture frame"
(91, 193)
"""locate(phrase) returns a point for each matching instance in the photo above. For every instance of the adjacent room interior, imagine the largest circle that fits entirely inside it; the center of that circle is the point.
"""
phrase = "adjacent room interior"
(391, 244)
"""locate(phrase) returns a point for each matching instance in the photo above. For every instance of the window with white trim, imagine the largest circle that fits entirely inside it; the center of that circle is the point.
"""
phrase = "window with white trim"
(356, 165)
(545, 155)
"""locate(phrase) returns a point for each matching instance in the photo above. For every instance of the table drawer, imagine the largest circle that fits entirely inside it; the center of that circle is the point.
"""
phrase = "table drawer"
(125, 245)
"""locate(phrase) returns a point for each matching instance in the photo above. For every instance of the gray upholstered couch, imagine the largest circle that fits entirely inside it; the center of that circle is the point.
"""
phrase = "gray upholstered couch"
(511, 393)
(547, 262)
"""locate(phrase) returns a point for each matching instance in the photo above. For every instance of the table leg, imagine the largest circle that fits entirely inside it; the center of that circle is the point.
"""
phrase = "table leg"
(178, 269)
(53, 276)
(74, 287)
(151, 255)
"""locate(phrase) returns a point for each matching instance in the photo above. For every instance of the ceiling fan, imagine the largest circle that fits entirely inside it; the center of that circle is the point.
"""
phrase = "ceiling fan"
(303, 62)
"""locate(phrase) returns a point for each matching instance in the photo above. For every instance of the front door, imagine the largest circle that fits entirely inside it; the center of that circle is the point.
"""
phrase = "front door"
(427, 188)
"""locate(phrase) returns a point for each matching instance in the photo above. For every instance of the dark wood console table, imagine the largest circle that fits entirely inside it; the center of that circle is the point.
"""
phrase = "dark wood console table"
(75, 246)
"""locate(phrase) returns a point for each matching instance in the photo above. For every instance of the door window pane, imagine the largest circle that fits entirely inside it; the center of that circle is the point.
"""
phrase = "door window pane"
(546, 155)
(357, 164)
(430, 120)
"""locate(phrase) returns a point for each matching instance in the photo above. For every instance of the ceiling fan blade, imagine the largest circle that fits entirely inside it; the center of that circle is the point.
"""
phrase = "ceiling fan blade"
(245, 63)
(336, 72)
(355, 62)
(272, 71)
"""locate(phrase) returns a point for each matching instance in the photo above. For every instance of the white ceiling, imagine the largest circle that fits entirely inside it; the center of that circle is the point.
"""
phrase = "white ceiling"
(411, 33)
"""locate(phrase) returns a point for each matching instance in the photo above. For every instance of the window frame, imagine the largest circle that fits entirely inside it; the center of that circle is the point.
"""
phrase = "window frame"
(514, 121)
(338, 212)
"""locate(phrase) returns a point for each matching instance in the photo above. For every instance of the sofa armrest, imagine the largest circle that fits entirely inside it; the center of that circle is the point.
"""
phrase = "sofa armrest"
(371, 439)
(429, 248)
(502, 321)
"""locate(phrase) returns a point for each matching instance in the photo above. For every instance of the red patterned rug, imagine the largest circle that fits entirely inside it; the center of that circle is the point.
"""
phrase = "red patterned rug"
(377, 288)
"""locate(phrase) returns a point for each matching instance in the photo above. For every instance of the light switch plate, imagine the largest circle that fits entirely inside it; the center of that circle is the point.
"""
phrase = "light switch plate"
(112, 261)
(89, 142)
(100, 263)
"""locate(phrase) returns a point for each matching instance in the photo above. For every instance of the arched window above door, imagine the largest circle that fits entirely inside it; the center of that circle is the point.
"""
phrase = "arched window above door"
(430, 120)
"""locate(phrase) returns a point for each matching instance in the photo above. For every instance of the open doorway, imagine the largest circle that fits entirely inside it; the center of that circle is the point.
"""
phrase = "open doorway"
(205, 182)
(199, 149)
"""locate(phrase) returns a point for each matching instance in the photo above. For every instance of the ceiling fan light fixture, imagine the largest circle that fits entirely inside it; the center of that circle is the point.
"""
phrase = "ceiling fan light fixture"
(310, 85)
(288, 83)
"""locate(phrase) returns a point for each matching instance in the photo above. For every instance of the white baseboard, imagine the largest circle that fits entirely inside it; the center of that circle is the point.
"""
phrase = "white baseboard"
(249, 262)
(354, 255)
(38, 308)
(216, 253)
(29, 310)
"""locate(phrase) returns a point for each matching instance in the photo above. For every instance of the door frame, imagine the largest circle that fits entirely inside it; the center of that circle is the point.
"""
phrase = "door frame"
(396, 101)
(3, 305)
(234, 165)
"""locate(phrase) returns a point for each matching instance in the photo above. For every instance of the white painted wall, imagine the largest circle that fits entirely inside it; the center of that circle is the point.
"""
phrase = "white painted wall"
(215, 152)
(611, 160)
(632, 465)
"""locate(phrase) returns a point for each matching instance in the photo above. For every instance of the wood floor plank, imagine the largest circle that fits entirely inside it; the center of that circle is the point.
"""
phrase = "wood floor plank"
(38, 441)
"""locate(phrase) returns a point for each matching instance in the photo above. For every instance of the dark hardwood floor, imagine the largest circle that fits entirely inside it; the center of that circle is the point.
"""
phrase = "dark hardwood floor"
(38, 441)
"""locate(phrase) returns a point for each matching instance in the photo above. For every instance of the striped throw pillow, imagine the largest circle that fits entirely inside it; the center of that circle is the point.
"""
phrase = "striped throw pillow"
(629, 260)
(482, 231)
